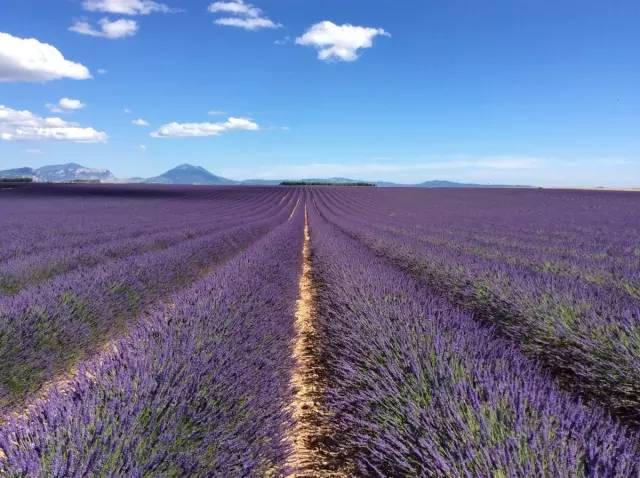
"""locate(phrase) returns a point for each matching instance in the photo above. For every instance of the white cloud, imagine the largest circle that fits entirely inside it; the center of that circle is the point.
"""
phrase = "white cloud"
(139, 122)
(27, 59)
(247, 23)
(244, 15)
(215, 113)
(18, 125)
(112, 30)
(33, 151)
(192, 130)
(339, 42)
(127, 111)
(142, 147)
(71, 104)
(65, 104)
(237, 7)
(127, 7)
(102, 71)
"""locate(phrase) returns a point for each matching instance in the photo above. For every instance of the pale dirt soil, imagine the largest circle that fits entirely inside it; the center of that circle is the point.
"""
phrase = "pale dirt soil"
(312, 422)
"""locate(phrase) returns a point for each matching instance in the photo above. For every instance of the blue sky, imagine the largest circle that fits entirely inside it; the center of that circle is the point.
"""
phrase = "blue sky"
(537, 92)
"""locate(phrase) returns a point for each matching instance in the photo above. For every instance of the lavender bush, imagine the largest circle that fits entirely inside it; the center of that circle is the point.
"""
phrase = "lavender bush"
(418, 388)
(199, 389)
(578, 316)
(48, 327)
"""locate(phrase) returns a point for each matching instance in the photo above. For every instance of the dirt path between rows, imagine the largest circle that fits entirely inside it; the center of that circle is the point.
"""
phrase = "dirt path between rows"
(312, 429)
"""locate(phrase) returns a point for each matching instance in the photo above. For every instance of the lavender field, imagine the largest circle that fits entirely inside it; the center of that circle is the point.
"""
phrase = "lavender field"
(237, 331)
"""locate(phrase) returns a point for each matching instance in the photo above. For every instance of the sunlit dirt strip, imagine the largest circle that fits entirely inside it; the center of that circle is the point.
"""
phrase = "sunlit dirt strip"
(295, 208)
(283, 198)
(311, 421)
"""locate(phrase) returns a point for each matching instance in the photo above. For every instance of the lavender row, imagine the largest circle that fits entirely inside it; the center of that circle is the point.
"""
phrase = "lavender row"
(615, 274)
(601, 251)
(417, 388)
(539, 218)
(587, 335)
(66, 217)
(46, 328)
(36, 268)
(199, 390)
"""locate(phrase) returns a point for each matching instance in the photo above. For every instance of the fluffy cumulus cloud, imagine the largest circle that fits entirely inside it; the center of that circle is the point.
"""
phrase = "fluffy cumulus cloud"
(16, 125)
(236, 7)
(112, 30)
(71, 104)
(139, 122)
(27, 59)
(339, 42)
(193, 130)
(247, 23)
(126, 7)
(66, 104)
(242, 15)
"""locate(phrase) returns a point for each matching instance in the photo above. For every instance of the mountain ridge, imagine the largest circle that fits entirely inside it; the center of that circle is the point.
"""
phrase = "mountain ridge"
(60, 173)
(189, 174)
(197, 175)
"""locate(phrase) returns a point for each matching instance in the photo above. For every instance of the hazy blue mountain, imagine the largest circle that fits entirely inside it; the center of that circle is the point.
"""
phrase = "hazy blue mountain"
(189, 174)
(58, 173)
(382, 184)
(71, 172)
(17, 173)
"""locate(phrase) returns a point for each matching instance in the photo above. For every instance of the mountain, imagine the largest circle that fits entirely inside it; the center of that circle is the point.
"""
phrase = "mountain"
(382, 184)
(188, 174)
(276, 182)
(59, 173)
(17, 173)
(72, 172)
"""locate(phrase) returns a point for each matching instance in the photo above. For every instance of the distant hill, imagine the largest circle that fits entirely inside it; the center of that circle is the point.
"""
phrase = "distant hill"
(324, 182)
(61, 173)
(275, 182)
(382, 184)
(189, 174)
(72, 172)
(18, 173)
